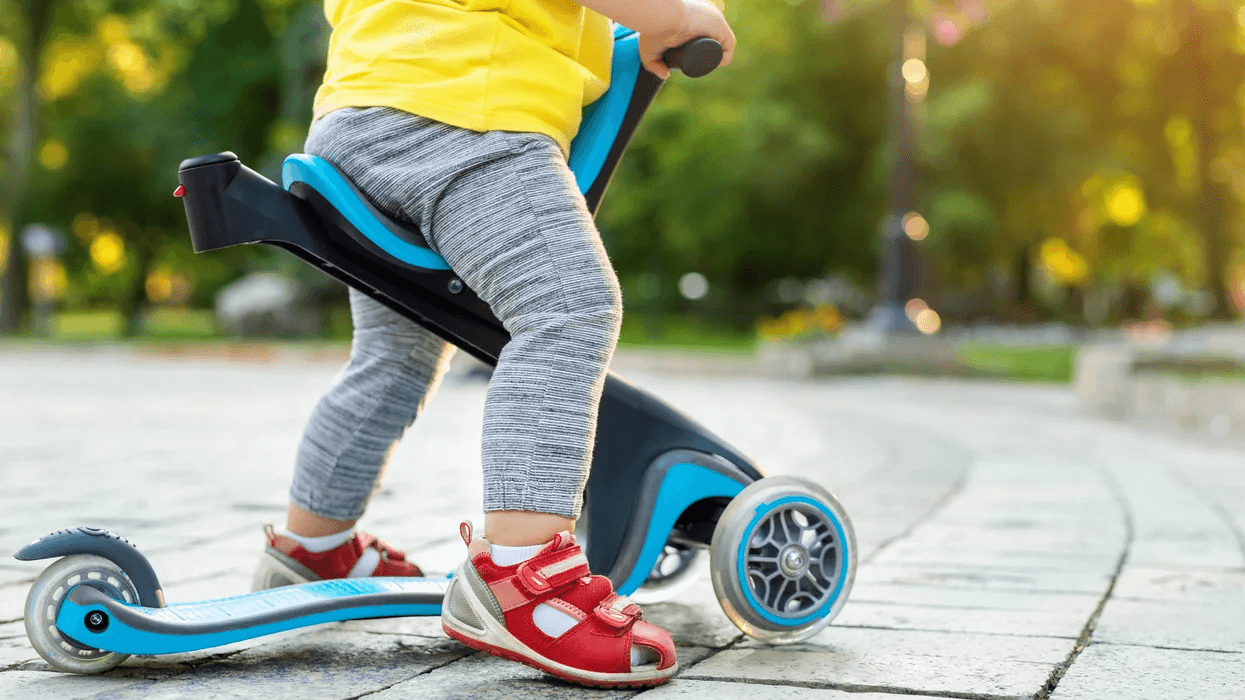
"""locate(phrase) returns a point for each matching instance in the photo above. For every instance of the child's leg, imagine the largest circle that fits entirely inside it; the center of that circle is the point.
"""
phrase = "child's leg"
(517, 231)
(395, 366)
(504, 211)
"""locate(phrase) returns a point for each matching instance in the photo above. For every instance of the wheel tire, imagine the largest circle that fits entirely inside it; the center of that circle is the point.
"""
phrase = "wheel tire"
(783, 559)
(44, 601)
(677, 568)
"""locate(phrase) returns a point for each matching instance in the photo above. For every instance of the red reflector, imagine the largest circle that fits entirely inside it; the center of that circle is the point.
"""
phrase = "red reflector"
(181, 190)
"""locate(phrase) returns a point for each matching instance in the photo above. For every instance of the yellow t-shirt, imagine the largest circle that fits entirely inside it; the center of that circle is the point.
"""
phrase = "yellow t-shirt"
(510, 65)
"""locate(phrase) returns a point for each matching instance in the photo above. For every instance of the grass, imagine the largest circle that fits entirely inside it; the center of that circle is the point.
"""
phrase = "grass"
(200, 324)
(158, 324)
(1018, 363)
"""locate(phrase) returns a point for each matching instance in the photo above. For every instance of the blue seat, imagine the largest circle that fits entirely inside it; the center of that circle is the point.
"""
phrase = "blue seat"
(597, 131)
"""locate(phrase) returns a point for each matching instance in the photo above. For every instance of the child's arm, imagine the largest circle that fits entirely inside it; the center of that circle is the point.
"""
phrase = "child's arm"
(665, 24)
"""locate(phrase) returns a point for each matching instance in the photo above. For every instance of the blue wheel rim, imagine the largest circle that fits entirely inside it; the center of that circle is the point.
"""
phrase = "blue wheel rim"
(796, 584)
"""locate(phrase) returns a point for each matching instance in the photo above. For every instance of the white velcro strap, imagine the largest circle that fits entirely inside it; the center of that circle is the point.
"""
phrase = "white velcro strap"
(620, 602)
(559, 566)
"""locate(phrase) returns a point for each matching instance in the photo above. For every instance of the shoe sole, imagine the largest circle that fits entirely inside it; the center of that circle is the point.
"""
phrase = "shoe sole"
(273, 572)
(497, 640)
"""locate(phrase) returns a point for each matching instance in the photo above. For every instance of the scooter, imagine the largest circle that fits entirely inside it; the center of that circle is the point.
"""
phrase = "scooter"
(662, 489)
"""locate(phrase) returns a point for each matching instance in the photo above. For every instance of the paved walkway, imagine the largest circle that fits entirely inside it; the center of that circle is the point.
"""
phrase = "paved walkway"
(1010, 546)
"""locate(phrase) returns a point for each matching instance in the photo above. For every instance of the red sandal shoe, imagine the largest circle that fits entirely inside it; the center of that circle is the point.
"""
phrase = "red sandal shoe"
(285, 562)
(489, 607)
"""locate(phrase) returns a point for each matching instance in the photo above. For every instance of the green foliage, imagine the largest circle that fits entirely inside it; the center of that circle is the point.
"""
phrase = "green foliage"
(1037, 118)
(760, 172)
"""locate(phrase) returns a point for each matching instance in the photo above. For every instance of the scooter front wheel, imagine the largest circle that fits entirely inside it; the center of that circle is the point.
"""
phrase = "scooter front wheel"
(783, 559)
(43, 604)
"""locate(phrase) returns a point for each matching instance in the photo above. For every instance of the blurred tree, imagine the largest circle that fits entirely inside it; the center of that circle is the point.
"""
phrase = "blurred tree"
(131, 87)
(768, 171)
(29, 21)
(1101, 126)
(1073, 155)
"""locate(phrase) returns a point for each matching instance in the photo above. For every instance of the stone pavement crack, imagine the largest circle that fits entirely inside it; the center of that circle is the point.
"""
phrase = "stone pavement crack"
(946, 498)
(1171, 648)
(1087, 632)
(935, 629)
(851, 687)
(939, 606)
(417, 675)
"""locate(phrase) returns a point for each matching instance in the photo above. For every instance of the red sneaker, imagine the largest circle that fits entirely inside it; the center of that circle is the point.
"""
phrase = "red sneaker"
(285, 562)
(489, 607)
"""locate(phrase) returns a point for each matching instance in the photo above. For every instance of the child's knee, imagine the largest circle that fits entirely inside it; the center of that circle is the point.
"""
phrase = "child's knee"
(600, 305)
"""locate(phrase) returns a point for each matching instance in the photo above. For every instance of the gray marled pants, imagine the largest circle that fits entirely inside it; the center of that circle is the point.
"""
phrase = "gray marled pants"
(503, 209)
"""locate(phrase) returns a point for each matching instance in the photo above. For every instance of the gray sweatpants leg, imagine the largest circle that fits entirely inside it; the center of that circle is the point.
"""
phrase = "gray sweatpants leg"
(394, 367)
(504, 211)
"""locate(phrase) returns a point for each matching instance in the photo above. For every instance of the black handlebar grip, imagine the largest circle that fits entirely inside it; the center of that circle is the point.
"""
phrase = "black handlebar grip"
(695, 58)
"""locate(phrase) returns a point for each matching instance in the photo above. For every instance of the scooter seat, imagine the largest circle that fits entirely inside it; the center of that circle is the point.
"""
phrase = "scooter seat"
(396, 239)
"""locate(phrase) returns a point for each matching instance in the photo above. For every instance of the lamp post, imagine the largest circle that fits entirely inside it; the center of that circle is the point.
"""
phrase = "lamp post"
(898, 253)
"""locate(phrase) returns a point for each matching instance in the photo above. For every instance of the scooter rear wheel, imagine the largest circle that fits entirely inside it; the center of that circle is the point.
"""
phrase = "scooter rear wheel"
(43, 604)
(677, 568)
(783, 559)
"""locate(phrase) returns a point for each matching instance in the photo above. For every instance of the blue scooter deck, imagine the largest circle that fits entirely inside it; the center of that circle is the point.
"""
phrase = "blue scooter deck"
(135, 629)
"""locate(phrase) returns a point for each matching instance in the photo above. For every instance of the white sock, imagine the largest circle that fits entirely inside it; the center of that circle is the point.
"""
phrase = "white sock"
(364, 567)
(509, 556)
(321, 544)
(547, 618)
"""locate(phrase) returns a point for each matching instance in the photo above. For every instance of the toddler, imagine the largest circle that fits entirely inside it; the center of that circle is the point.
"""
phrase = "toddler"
(457, 115)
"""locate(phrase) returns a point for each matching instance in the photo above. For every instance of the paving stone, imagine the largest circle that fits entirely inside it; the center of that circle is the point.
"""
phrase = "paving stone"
(17, 576)
(1113, 672)
(484, 676)
(1182, 584)
(1044, 538)
(680, 688)
(214, 585)
(1065, 621)
(12, 600)
(1173, 624)
(863, 643)
(987, 578)
(1175, 549)
(16, 650)
(418, 626)
(888, 672)
(59, 686)
(934, 595)
(1174, 525)
(695, 618)
(1018, 555)
(330, 661)
(1032, 526)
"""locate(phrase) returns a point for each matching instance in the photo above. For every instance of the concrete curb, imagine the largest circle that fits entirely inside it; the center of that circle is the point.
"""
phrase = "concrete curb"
(1113, 381)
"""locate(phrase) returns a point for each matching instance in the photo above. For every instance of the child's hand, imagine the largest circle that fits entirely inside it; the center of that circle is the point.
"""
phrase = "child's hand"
(699, 19)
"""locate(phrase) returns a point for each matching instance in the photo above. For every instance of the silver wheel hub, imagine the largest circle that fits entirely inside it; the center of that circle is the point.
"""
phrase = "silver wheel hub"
(793, 561)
